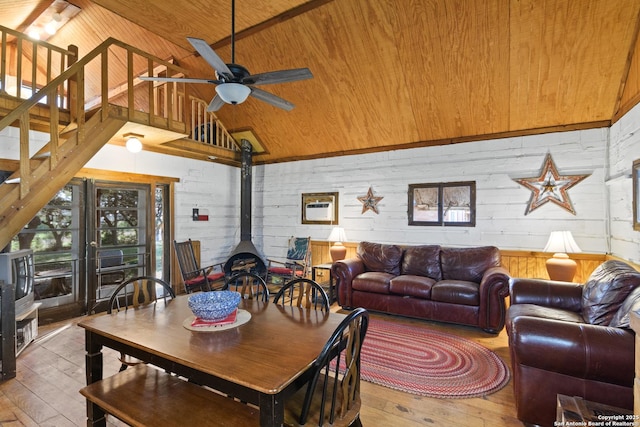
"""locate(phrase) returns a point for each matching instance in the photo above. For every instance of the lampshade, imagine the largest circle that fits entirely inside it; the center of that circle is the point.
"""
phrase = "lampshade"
(560, 267)
(562, 242)
(337, 251)
(233, 93)
(337, 235)
(133, 144)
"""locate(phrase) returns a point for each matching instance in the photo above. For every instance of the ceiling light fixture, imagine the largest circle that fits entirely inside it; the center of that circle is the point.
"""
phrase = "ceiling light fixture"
(133, 144)
(233, 93)
(52, 19)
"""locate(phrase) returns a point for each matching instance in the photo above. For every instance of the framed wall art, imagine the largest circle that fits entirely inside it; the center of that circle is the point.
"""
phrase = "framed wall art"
(320, 208)
(443, 204)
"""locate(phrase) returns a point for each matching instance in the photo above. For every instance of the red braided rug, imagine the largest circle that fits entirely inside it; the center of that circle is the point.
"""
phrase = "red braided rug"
(429, 363)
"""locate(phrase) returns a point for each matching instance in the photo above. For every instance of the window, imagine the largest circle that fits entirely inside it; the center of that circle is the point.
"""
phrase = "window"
(443, 204)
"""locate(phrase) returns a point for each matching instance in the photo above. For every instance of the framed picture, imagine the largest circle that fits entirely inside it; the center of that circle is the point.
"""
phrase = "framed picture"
(443, 204)
(320, 208)
(635, 174)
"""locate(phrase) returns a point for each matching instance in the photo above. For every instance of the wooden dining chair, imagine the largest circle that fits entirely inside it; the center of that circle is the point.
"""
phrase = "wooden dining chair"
(332, 396)
(138, 292)
(250, 286)
(303, 293)
(194, 276)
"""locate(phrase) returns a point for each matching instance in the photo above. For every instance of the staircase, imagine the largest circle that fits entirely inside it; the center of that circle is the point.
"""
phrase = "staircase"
(81, 113)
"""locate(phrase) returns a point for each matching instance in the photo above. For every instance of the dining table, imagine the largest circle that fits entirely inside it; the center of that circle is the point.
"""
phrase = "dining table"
(262, 360)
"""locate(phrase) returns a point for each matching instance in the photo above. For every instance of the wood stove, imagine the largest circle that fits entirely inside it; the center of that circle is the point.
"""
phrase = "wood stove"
(245, 256)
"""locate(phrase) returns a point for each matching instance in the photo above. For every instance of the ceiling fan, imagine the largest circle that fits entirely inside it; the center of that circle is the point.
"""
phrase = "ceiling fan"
(234, 82)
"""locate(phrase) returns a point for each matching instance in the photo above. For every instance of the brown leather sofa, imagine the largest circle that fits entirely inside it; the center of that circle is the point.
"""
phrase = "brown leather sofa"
(572, 339)
(457, 285)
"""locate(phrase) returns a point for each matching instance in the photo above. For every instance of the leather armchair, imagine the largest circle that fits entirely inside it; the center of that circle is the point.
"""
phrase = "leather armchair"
(555, 350)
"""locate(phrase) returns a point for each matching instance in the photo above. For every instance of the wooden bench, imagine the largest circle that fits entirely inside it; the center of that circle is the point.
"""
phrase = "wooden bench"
(146, 396)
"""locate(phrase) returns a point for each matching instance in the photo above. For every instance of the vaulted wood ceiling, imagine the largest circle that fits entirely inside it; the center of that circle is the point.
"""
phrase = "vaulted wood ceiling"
(389, 74)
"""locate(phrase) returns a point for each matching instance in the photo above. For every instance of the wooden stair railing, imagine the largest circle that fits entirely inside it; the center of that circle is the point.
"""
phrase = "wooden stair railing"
(207, 128)
(27, 64)
(76, 140)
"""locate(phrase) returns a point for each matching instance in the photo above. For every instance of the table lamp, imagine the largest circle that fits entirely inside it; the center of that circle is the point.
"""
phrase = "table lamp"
(560, 266)
(337, 251)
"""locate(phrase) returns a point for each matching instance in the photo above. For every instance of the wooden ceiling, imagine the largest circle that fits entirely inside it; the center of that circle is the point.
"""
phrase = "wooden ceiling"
(389, 74)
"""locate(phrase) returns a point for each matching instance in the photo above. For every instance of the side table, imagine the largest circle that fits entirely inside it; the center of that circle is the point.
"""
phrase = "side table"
(332, 288)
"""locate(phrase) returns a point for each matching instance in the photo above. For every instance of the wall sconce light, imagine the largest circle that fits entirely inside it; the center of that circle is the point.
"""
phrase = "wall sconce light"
(560, 267)
(133, 144)
(337, 251)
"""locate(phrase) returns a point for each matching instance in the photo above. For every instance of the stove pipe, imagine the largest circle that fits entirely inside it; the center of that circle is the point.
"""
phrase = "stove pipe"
(245, 256)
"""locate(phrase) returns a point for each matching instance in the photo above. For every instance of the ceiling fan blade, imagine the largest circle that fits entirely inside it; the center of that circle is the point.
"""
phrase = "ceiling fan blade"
(215, 104)
(282, 76)
(179, 80)
(210, 56)
(272, 99)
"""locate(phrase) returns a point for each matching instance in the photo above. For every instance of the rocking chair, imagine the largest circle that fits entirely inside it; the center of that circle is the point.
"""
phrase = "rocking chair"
(296, 265)
(194, 276)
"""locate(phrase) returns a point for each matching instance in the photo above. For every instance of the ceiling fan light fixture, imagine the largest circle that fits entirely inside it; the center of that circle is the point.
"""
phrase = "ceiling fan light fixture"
(233, 93)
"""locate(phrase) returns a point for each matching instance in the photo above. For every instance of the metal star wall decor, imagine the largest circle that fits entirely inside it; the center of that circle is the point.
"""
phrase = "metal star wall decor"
(550, 186)
(370, 202)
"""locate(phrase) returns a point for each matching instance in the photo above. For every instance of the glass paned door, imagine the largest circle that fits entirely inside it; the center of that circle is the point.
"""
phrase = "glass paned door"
(121, 244)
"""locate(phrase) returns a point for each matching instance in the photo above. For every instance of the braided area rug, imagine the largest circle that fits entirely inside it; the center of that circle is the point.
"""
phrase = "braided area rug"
(429, 363)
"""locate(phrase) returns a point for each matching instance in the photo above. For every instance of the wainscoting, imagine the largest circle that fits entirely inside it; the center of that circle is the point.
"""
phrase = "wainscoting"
(519, 263)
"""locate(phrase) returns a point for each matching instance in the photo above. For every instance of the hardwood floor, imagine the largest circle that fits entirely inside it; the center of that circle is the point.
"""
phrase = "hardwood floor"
(51, 371)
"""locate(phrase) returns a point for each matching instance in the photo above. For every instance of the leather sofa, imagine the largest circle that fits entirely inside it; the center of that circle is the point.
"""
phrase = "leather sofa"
(458, 285)
(572, 339)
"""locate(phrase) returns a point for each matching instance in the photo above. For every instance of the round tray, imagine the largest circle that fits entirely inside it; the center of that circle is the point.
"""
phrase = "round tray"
(242, 317)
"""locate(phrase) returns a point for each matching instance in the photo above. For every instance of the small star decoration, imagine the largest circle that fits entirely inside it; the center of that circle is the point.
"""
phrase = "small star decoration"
(370, 202)
(550, 186)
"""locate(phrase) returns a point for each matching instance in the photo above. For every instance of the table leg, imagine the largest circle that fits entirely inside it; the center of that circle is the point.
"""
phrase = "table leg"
(271, 410)
(93, 366)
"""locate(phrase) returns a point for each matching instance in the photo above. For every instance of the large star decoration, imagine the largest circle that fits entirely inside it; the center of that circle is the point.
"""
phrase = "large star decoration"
(550, 186)
(370, 202)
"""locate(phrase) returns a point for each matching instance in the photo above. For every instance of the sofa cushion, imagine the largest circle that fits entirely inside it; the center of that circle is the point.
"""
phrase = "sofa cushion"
(552, 313)
(605, 291)
(372, 281)
(632, 303)
(468, 264)
(380, 257)
(456, 292)
(412, 286)
(422, 260)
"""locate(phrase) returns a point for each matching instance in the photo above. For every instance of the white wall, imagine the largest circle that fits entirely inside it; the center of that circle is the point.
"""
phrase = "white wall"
(500, 201)
(204, 185)
(624, 149)
(602, 202)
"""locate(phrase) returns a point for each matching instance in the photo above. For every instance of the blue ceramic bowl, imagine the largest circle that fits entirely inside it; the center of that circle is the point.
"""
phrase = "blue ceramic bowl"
(215, 305)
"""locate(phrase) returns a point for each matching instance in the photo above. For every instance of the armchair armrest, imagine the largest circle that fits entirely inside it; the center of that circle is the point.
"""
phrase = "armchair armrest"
(344, 271)
(593, 352)
(548, 293)
(209, 268)
(494, 288)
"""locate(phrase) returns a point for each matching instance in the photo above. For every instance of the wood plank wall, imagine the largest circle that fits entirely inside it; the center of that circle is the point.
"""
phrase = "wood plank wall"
(519, 263)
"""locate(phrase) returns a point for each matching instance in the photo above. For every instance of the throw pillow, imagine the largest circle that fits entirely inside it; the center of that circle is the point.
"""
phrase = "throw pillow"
(380, 257)
(605, 291)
